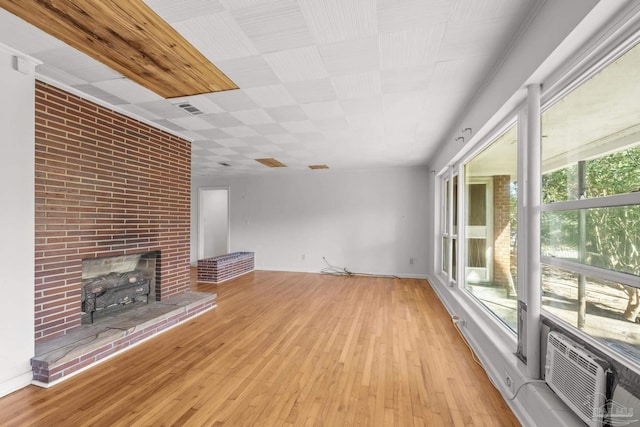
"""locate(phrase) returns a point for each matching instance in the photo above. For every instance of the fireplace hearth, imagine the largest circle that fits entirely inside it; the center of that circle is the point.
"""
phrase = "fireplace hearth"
(112, 283)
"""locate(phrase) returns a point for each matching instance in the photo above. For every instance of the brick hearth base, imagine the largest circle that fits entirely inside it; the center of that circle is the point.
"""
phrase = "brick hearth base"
(60, 357)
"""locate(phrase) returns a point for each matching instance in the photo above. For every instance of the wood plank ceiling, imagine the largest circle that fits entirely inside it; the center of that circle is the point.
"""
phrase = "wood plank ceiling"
(129, 37)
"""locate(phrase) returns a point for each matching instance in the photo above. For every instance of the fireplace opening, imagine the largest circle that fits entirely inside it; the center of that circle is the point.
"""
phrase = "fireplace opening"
(111, 284)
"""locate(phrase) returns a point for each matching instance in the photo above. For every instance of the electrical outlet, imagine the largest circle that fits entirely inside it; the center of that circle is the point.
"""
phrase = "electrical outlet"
(411, 261)
(508, 381)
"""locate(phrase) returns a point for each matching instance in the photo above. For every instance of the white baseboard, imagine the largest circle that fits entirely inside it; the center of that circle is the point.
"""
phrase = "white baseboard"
(16, 383)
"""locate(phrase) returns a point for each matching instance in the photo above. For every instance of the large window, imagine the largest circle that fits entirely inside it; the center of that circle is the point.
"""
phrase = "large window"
(590, 222)
(490, 219)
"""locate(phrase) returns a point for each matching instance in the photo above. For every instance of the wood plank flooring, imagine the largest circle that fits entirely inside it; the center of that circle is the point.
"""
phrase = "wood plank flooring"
(285, 349)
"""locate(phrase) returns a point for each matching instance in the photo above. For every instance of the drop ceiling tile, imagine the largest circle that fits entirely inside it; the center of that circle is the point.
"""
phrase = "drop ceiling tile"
(353, 56)
(222, 151)
(268, 128)
(231, 142)
(59, 75)
(410, 48)
(464, 40)
(169, 125)
(358, 85)
(140, 112)
(270, 96)
(128, 90)
(252, 117)
(216, 36)
(25, 38)
(302, 126)
(221, 120)
(232, 100)
(287, 113)
(312, 91)
(240, 131)
(473, 10)
(293, 65)
(337, 123)
(173, 11)
(323, 110)
(255, 140)
(311, 137)
(268, 148)
(213, 133)
(201, 102)
(248, 71)
(285, 138)
(338, 20)
(163, 109)
(77, 64)
(274, 26)
(205, 144)
(191, 123)
(394, 15)
(242, 4)
(406, 79)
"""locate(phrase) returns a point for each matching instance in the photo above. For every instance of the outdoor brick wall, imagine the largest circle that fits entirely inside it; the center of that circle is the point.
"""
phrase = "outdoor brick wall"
(501, 230)
(106, 185)
(224, 267)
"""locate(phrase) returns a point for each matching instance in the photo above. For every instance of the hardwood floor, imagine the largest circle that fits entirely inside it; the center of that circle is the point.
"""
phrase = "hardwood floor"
(285, 349)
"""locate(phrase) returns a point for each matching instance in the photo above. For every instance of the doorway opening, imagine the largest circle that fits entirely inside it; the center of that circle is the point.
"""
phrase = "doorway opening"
(213, 227)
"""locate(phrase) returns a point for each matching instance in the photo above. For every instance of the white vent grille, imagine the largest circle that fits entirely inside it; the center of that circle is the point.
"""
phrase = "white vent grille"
(575, 376)
(190, 109)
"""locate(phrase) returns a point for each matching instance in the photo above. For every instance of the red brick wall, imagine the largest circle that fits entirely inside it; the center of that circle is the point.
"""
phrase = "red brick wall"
(501, 230)
(106, 185)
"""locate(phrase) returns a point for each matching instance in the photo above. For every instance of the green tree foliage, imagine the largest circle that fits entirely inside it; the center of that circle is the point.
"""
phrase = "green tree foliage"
(612, 234)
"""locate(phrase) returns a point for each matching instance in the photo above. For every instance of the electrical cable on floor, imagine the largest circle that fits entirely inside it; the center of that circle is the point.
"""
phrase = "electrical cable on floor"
(337, 271)
(477, 360)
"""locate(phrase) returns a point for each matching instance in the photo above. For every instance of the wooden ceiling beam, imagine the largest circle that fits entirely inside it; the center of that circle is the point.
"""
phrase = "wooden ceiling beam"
(129, 37)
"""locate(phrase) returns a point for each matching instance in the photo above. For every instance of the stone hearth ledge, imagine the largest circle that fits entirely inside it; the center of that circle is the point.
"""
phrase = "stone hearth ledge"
(59, 358)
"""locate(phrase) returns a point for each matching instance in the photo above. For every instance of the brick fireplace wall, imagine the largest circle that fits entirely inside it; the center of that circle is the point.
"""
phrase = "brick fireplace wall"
(105, 185)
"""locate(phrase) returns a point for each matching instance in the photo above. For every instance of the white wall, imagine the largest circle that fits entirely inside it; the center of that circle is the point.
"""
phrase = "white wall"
(368, 221)
(17, 109)
(215, 221)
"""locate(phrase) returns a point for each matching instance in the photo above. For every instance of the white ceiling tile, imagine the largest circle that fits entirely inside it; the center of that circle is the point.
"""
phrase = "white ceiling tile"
(240, 131)
(174, 11)
(410, 48)
(232, 100)
(294, 65)
(222, 151)
(312, 91)
(248, 71)
(242, 4)
(252, 117)
(274, 26)
(98, 93)
(323, 110)
(287, 113)
(406, 79)
(59, 75)
(201, 102)
(365, 105)
(270, 96)
(213, 133)
(26, 38)
(301, 126)
(216, 36)
(394, 15)
(78, 64)
(268, 128)
(331, 124)
(268, 148)
(163, 109)
(360, 55)
(285, 138)
(473, 10)
(338, 20)
(231, 142)
(191, 123)
(140, 112)
(357, 85)
(128, 90)
(468, 39)
(221, 120)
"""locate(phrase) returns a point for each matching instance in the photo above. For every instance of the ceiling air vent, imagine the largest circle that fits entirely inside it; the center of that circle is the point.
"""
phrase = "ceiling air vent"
(190, 109)
(272, 163)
